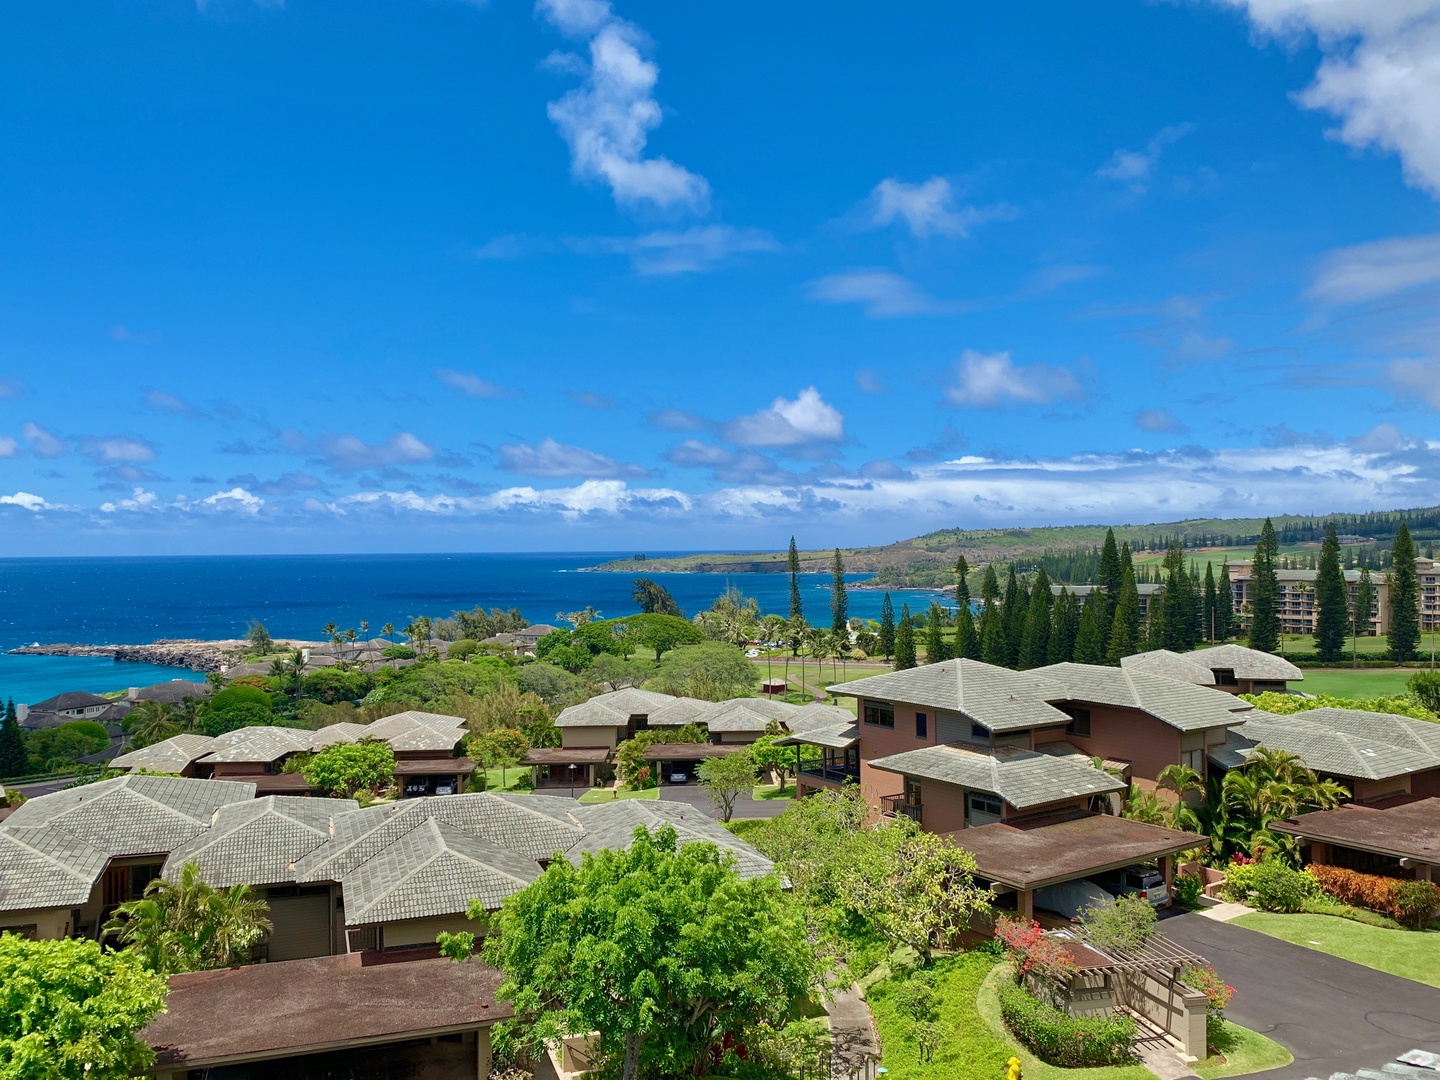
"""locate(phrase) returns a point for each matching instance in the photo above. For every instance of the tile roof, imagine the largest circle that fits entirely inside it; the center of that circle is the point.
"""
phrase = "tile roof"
(1340, 742)
(174, 691)
(678, 712)
(613, 825)
(1023, 778)
(1248, 663)
(1171, 665)
(46, 867)
(417, 731)
(835, 736)
(437, 721)
(818, 715)
(1182, 705)
(74, 699)
(745, 714)
(331, 734)
(170, 755)
(258, 842)
(257, 745)
(615, 708)
(433, 869)
(994, 697)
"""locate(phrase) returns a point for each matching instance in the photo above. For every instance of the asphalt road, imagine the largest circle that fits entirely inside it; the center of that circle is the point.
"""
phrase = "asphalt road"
(1331, 1014)
(745, 806)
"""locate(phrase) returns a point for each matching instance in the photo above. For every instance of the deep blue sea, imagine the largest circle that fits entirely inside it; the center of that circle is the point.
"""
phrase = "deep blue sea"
(138, 600)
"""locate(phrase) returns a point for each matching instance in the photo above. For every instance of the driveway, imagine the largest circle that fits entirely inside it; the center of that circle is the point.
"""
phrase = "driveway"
(1331, 1014)
(745, 805)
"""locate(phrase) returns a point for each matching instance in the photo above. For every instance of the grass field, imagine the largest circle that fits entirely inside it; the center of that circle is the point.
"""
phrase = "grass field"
(1355, 682)
(1410, 954)
(595, 795)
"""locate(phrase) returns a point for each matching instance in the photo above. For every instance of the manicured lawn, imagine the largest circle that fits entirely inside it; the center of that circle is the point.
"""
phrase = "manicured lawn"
(594, 795)
(1355, 682)
(1246, 1052)
(505, 779)
(745, 827)
(1410, 954)
(770, 791)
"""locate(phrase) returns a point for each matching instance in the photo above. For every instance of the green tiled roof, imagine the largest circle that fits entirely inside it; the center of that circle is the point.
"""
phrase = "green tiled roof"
(1023, 778)
(994, 697)
(258, 842)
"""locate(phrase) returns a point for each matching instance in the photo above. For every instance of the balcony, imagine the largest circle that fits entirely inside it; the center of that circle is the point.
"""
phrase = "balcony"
(832, 774)
(896, 806)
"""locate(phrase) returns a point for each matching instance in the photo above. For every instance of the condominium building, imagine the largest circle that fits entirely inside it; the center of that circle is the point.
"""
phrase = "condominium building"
(1296, 598)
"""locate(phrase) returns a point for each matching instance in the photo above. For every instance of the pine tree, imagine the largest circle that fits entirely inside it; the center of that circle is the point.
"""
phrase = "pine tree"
(1207, 612)
(1224, 604)
(796, 611)
(936, 647)
(839, 601)
(989, 585)
(1364, 604)
(1125, 629)
(14, 760)
(1088, 648)
(1064, 623)
(1332, 600)
(1035, 638)
(967, 638)
(1014, 611)
(1179, 620)
(1265, 593)
(887, 627)
(1404, 599)
(962, 582)
(994, 646)
(1127, 559)
(905, 641)
(1111, 576)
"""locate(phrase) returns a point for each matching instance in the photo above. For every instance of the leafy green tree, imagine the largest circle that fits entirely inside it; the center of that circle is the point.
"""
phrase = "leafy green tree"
(839, 599)
(1125, 629)
(654, 598)
(1404, 598)
(72, 1011)
(1089, 648)
(1035, 639)
(618, 672)
(342, 769)
(905, 640)
(781, 759)
(712, 671)
(1332, 600)
(61, 747)
(936, 647)
(551, 683)
(236, 707)
(462, 649)
(14, 761)
(499, 748)
(259, 638)
(661, 632)
(731, 617)
(797, 611)
(150, 722)
(662, 949)
(187, 925)
(1272, 786)
(726, 778)
(1265, 593)
(887, 627)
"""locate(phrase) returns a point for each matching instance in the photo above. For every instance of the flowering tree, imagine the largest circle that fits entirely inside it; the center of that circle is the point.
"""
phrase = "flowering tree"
(1035, 952)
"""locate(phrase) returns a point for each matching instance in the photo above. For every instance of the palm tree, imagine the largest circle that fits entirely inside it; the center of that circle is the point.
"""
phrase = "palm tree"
(188, 925)
(298, 663)
(1273, 785)
(1183, 781)
(328, 630)
(151, 722)
(187, 714)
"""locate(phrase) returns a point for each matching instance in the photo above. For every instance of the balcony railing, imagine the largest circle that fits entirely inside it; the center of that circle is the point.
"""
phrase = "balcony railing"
(896, 806)
(835, 774)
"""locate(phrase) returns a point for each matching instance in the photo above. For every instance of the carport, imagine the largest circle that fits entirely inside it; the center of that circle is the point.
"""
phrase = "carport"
(682, 759)
(1401, 838)
(1022, 855)
(559, 766)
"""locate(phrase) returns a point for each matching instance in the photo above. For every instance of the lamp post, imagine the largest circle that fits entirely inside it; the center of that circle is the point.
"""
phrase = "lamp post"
(571, 769)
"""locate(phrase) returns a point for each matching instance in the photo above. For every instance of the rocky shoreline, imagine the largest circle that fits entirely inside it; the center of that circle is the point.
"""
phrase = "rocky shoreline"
(186, 653)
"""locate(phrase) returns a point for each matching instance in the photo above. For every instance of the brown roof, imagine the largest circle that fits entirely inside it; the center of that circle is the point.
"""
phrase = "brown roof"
(292, 783)
(1034, 852)
(689, 751)
(441, 766)
(304, 1006)
(565, 755)
(1410, 830)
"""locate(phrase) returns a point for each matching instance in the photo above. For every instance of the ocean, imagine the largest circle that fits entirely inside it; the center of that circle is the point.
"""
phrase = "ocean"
(136, 600)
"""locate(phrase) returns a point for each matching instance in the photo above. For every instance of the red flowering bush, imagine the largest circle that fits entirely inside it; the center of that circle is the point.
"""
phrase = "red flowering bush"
(1218, 993)
(1035, 952)
(1411, 903)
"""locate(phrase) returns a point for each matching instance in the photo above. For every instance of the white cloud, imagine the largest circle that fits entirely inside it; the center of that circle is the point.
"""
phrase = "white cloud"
(117, 450)
(683, 251)
(1136, 167)
(1416, 380)
(236, 499)
(1380, 76)
(27, 501)
(929, 209)
(163, 401)
(43, 442)
(1159, 420)
(808, 419)
(1377, 269)
(610, 497)
(990, 380)
(472, 385)
(139, 499)
(882, 294)
(554, 459)
(8, 447)
(608, 118)
(348, 453)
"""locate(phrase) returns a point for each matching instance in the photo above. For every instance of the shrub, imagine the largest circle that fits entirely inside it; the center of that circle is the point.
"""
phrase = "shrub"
(1125, 923)
(1410, 903)
(1035, 952)
(1218, 994)
(1277, 886)
(459, 650)
(1188, 888)
(398, 652)
(1066, 1041)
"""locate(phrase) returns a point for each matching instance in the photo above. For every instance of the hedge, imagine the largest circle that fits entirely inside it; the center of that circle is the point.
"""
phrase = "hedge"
(1270, 885)
(1067, 1041)
(1410, 903)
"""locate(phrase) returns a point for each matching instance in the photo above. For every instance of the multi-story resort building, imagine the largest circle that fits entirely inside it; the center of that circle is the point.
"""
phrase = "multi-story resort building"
(1296, 600)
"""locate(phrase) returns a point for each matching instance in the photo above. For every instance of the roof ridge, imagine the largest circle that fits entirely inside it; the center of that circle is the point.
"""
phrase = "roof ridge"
(15, 835)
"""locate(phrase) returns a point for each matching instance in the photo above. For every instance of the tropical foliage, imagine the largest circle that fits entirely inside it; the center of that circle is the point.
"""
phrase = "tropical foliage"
(343, 769)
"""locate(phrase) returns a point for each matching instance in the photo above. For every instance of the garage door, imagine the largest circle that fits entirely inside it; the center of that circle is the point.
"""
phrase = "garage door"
(302, 926)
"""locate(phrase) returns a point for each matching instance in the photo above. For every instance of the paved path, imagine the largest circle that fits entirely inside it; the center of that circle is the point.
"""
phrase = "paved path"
(745, 806)
(1331, 1014)
(852, 1034)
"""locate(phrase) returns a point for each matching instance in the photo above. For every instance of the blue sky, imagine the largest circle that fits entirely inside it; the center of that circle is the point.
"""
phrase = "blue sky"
(437, 275)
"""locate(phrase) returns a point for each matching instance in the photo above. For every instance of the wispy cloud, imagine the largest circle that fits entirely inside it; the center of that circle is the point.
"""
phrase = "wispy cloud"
(929, 209)
(348, 453)
(472, 385)
(684, 251)
(882, 294)
(549, 458)
(1371, 271)
(991, 380)
(43, 442)
(1136, 168)
(607, 120)
(1159, 421)
(164, 401)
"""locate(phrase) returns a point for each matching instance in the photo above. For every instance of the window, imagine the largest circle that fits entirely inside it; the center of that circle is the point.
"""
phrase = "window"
(922, 726)
(1195, 759)
(981, 808)
(880, 713)
(979, 731)
(1079, 720)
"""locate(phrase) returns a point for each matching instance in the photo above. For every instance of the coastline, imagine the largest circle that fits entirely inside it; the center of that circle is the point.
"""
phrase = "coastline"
(195, 654)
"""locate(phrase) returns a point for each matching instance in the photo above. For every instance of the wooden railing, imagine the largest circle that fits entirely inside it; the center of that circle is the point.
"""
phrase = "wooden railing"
(896, 806)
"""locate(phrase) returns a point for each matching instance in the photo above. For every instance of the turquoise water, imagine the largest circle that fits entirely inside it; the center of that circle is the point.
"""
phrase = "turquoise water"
(139, 600)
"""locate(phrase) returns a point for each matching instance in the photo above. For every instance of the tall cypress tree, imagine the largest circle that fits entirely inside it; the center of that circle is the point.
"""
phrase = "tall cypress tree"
(989, 585)
(1035, 638)
(1404, 598)
(1224, 604)
(796, 611)
(994, 646)
(887, 627)
(1014, 611)
(1265, 593)
(1207, 611)
(839, 601)
(1332, 600)
(962, 582)
(1125, 629)
(936, 647)
(1111, 576)
(1064, 623)
(1179, 613)
(905, 640)
(1088, 647)
(967, 638)
(1364, 604)
(14, 760)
